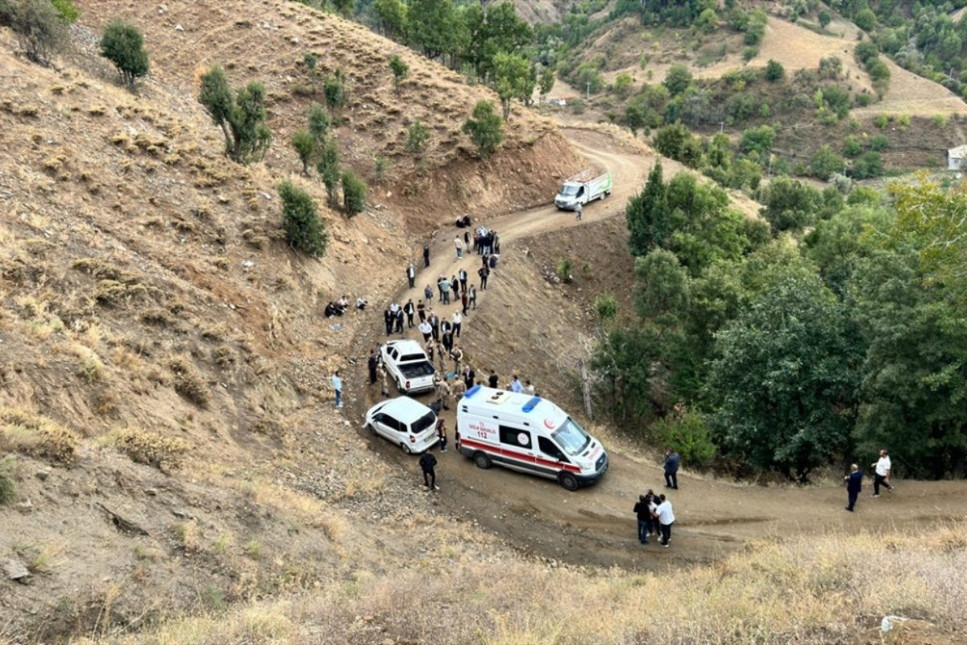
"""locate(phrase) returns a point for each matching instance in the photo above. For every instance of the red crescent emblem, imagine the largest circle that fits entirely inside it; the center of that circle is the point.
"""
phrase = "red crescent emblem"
(548, 424)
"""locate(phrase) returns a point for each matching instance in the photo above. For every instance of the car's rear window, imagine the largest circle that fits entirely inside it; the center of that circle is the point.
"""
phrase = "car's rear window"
(412, 357)
(428, 420)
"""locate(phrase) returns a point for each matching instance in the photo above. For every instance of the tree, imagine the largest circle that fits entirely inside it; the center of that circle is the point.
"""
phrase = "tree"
(41, 29)
(390, 17)
(328, 168)
(335, 91)
(774, 71)
(305, 146)
(400, 69)
(825, 162)
(241, 119)
(546, 81)
(431, 26)
(785, 378)
(790, 205)
(353, 194)
(757, 139)
(318, 122)
(677, 79)
(514, 79)
(649, 222)
(865, 19)
(300, 219)
(123, 45)
(484, 128)
(824, 19)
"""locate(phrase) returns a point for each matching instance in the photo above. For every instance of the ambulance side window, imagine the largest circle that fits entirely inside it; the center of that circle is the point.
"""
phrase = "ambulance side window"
(548, 448)
(515, 437)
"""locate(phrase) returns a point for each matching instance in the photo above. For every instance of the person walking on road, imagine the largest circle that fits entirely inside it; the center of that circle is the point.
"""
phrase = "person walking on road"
(881, 476)
(578, 212)
(644, 518)
(666, 517)
(337, 387)
(484, 273)
(411, 274)
(458, 245)
(427, 464)
(426, 256)
(428, 294)
(854, 484)
(672, 461)
(371, 363)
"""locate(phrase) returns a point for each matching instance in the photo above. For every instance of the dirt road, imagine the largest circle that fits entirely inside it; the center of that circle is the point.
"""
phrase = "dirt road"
(596, 525)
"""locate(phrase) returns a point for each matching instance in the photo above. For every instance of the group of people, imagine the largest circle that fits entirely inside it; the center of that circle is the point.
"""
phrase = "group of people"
(655, 517)
(882, 468)
(341, 306)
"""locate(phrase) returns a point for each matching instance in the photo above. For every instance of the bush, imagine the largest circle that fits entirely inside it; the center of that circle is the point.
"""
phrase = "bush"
(41, 29)
(241, 118)
(400, 69)
(305, 146)
(123, 45)
(335, 91)
(879, 142)
(188, 383)
(564, 267)
(416, 137)
(865, 19)
(824, 19)
(300, 219)
(36, 436)
(150, 448)
(689, 433)
(775, 71)
(8, 479)
(830, 67)
(484, 128)
(869, 165)
(328, 168)
(678, 79)
(826, 162)
(757, 139)
(606, 306)
(353, 194)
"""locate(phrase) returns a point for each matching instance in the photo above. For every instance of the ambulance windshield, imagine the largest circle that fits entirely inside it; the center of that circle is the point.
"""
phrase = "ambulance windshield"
(571, 437)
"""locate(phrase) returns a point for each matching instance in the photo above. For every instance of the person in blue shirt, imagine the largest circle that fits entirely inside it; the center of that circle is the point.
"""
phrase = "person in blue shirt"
(671, 468)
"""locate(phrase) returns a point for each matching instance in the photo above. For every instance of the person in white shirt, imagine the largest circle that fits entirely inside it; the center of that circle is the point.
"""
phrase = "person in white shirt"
(458, 245)
(666, 517)
(457, 323)
(515, 385)
(882, 475)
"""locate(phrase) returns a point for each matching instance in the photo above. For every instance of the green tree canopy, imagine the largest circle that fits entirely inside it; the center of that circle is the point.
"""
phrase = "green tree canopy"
(484, 128)
(648, 216)
(123, 45)
(514, 79)
(242, 118)
(300, 219)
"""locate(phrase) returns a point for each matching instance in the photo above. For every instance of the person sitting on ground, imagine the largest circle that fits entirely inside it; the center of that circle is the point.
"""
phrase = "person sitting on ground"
(361, 303)
(332, 310)
(342, 304)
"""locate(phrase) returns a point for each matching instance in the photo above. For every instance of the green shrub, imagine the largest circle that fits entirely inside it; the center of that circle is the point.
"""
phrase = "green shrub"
(8, 479)
(865, 19)
(416, 137)
(606, 306)
(864, 99)
(300, 219)
(400, 69)
(564, 267)
(879, 142)
(484, 128)
(123, 45)
(688, 432)
(241, 117)
(353, 194)
(305, 146)
(775, 71)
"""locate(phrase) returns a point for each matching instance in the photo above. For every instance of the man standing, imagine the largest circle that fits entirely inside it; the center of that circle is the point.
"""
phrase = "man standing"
(493, 380)
(457, 323)
(644, 518)
(484, 273)
(428, 294)
(579, 211)
(421, 310)
(472, 297)
(469, 376)
(434, 325)
(427, 462)
(371, 364)
(459, 389)
(411, 274)
(882, 475)
(409, 310)
(337, 388)
(443, 391)
(462, 276)
(671, 469)
(854, 484)
(426, 330)
(389, 318)
(457, 355)
(458, 245)
(666, 517)
(444, 285)
(426, 256)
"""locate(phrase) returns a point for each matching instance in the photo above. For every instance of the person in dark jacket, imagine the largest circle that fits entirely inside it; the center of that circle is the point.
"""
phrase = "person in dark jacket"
(671, 468)
(854, 484)
(427, 463)
(644, 518)
(371, 364)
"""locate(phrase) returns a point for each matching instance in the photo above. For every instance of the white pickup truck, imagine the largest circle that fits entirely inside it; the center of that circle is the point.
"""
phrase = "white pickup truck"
(581, 189)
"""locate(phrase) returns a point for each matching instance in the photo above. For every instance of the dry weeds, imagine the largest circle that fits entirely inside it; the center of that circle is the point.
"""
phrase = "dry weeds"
(151, 448)
(31, 434)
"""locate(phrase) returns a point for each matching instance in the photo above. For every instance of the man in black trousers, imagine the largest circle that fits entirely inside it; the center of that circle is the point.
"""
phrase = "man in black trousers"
(854, 484)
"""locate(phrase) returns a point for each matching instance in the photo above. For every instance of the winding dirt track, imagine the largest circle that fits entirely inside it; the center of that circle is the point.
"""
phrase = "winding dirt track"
(595, 525)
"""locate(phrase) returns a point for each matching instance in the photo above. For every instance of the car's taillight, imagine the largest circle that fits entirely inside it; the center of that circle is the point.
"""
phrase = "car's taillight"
(407, 385)
(412, 439)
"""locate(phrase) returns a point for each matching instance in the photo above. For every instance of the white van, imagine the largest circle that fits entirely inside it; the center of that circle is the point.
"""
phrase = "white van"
(527, 434)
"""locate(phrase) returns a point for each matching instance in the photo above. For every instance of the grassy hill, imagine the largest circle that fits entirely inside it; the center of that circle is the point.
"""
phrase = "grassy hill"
(180, 473)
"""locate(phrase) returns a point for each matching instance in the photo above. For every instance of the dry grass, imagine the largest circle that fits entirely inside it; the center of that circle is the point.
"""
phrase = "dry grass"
(188, 382)
(300, 508)
(803, 591)
(31, 434)
(151, 448)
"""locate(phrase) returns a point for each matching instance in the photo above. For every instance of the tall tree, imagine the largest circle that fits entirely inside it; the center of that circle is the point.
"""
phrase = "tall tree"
(514, 79)
(484, 128)
(785, 381)
(648, 216)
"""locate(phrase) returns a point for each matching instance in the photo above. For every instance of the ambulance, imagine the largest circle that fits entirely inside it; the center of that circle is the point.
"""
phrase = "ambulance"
(527, 434)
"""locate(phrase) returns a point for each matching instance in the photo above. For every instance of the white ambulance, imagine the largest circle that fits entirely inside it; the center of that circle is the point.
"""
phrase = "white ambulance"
(527, 434)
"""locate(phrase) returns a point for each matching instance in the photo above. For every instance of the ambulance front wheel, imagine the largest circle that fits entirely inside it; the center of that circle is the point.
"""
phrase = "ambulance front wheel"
(482, 460)
(568, 481)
